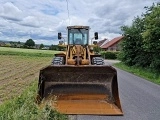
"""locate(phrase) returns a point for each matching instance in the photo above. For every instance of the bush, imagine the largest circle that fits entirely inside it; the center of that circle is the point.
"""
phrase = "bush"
(109, 55)
(141, 43)
(97, 49)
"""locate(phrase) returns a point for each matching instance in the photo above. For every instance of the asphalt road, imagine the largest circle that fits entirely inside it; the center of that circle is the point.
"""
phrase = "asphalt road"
(140, 99)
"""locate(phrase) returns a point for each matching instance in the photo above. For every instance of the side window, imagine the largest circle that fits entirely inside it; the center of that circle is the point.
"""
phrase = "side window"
(85, 39)
(70, 38)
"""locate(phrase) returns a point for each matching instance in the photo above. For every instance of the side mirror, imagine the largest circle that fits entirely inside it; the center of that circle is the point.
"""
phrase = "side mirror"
(59, 35)
(96, 35)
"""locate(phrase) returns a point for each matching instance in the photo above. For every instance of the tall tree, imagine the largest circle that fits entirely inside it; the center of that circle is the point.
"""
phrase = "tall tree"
(41, 46)
(141, 46)
(151, 34)
(132, 43)
(30, 43)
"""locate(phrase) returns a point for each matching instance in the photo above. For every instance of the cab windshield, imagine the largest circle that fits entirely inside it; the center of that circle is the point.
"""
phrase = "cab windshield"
(78, 36)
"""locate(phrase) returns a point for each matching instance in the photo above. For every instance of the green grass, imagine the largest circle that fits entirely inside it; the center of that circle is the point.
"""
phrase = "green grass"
(24, 107)
(144, 73)
(26, 52)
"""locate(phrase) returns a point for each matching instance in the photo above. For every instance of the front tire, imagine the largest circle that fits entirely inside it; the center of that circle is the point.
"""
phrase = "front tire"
(97, 61)
(58, 61)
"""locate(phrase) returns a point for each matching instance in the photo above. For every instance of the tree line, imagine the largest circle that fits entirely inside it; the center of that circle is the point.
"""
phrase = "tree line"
(30, 44)
(141, 44)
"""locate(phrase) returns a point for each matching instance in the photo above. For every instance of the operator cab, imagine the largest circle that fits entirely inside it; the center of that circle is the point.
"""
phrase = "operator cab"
(78, 36)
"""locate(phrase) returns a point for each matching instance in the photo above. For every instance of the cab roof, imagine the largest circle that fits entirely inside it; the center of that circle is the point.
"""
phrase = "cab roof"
(78, 27)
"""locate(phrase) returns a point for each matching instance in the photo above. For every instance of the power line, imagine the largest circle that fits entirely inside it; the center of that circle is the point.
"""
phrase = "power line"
(68, 12)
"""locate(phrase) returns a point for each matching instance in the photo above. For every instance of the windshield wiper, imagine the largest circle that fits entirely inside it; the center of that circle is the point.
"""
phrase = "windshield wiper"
(81, 32)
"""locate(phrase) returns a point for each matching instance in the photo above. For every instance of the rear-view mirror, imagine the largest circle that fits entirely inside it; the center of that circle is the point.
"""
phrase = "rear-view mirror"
(59, 35)
(96, 35)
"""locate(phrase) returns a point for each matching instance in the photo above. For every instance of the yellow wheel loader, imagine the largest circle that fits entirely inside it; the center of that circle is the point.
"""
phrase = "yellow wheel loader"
(78, 78)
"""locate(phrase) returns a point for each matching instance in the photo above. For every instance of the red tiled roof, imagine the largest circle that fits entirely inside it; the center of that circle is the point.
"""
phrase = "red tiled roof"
(101, 42)
(112, 42)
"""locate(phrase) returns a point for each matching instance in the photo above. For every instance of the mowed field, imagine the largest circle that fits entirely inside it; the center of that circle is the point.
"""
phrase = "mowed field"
(20, 69)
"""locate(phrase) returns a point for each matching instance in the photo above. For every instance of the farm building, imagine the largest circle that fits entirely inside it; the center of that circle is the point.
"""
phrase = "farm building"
(112, 45)
(101, 42)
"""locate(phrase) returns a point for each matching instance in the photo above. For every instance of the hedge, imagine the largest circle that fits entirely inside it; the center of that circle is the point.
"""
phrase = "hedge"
(110, 54)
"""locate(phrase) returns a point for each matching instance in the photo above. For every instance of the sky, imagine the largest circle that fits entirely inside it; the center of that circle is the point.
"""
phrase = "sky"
(41, 20)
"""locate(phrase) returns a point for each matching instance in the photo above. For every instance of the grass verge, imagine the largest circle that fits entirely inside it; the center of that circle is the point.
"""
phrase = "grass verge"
(24, 107)
(144, 73)
(27, 52)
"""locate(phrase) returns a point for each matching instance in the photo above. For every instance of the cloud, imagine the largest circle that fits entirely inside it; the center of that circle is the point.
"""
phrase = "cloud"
(42, 20)
(10, 12)
(30, 21)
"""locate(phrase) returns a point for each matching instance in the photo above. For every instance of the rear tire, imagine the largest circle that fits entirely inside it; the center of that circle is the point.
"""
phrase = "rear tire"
(58, 61)
(97, 61)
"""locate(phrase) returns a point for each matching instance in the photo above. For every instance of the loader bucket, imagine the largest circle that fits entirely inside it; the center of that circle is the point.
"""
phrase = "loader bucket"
(80, 89)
